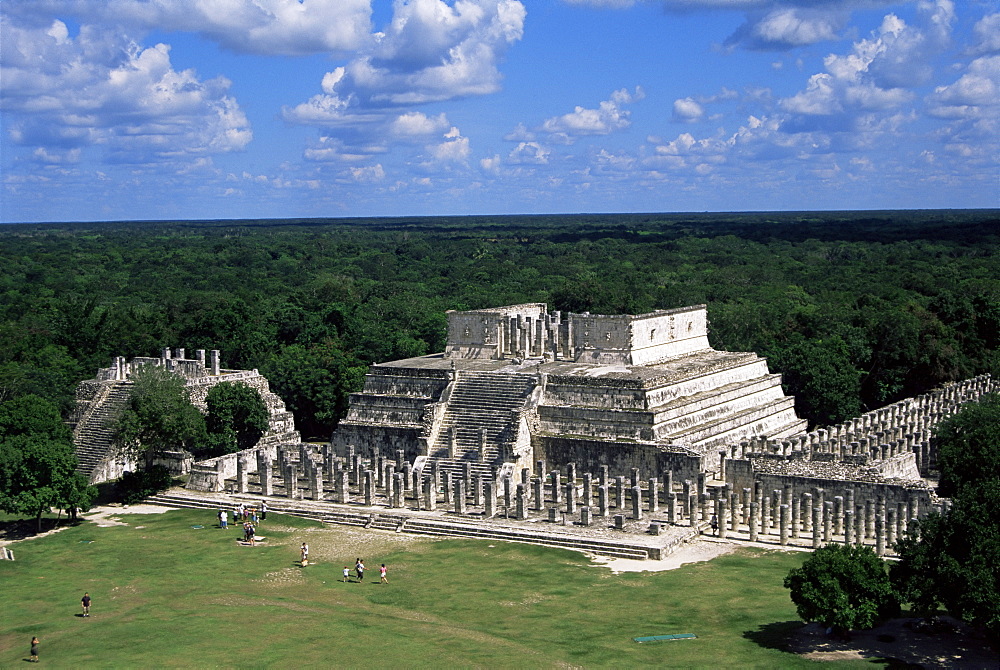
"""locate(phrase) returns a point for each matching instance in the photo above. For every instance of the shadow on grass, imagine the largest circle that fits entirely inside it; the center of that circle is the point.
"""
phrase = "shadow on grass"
(776, 635)
(20, 529)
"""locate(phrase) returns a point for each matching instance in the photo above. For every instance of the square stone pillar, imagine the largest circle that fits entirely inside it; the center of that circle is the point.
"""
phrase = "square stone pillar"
(556, 485)
(459, 497)
(602, 500)
(430, 494)
(398, 493)
(636, 502)
(369, 487)
(266, 477)
(508, 493)
(449, 487)
(585, 516)
(602, 475)
(343, 494)
(242, 476)
(477, 490)
(537, 494)
(654, 495)
(291, 481)
(570, 498)
(522, 505)
(316, 483)
(490, 500)
(671, 507)
(620, 493)
(588, 492)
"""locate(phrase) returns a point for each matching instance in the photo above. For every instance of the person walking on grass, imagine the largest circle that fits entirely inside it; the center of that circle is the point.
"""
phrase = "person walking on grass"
(222, 519)
(347, 574)
(359, 568)
(381, 574)
(263, 510)
(34, 650)
(304, 552)
(85, 601)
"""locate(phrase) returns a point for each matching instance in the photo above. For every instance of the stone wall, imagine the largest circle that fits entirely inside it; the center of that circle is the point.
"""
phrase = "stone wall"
(620, 457)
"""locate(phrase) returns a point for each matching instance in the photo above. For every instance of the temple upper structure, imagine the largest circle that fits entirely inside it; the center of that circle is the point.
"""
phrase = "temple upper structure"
(529, 331)
(518, 384)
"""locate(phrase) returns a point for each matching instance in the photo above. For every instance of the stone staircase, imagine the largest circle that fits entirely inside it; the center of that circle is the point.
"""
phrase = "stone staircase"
(479, 401)
(93, 435)
(438, 526)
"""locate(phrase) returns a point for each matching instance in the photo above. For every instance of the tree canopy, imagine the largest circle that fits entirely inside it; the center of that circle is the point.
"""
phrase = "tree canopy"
(158, 417)
(952, 560)
(37, 463)
(237, 417)
(843, 586)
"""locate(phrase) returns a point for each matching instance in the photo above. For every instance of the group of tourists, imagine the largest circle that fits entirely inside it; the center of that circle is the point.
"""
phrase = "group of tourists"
(248, 516)
(359, 571)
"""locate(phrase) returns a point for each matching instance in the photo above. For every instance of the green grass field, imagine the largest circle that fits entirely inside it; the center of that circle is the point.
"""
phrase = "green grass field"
(167, 594)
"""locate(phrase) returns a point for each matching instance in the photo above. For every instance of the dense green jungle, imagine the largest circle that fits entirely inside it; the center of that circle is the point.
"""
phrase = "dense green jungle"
(856, 309)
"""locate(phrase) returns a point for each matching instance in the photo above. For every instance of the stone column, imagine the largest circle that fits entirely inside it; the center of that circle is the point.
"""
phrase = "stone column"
(490, 500)
(556, 486)
(734, 516)
(508, 492)
(430, 494)
(848, 526)
(525, 475)
(449, 487)
(859, 524)
(654, 496)
(585, 519)
(540, 467)
(686, 499)
(900, 519)
(369, 484)
(570, 497)
(242, 474)
(477, 490)
(538, 494)
(291, 481)
(636, 502)
(890, 530)
(879, 535)
(459, 497)
(838, 515)
(723, 514)
(753, 521)
(522, 504)
(467, 474)
(783, 513)
(602, 500)
(817, 526)
(620, 493)
(588, 491)
(807, 505)
(571, 473)
(796, 515)
(343, 487)
(869, 519)
(745, 506)
(634, 481)
(827, 522)
(602, 475)
(266, 477)
(766, 516)
(316, 480)
(671, 507)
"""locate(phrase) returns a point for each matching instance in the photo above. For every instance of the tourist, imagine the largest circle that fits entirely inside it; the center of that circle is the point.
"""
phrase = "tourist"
(34, 650)
(304, 560)
(263, 510)
(236, 515)
(253, 515)
(86, 604)
(347, 574)
(715, 525)
(251, 532)
(359, 568)
(381, 572)
(222, 519)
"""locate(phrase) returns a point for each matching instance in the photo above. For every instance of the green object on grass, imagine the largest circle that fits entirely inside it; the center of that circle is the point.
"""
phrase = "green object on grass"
(660, 638)
(197, 527)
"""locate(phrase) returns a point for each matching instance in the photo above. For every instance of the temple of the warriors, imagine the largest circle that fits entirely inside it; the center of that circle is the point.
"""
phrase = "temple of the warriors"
(517, 384)
(618, 435)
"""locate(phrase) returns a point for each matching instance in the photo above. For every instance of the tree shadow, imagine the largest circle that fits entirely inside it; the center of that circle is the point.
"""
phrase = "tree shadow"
(21, 529)
(775, 635)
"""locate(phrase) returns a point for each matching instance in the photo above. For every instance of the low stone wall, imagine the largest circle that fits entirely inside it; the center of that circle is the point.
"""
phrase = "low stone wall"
(651, 459)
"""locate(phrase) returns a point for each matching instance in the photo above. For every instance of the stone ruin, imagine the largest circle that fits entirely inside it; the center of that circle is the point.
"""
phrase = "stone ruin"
(99, 402)
(625, 434)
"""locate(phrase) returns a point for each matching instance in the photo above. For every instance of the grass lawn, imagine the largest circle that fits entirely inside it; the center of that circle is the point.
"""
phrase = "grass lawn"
(167, 594)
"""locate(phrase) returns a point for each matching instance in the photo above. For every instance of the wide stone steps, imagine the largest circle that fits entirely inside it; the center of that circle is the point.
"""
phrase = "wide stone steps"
(94, 435)
(710, 430)
(329, 513)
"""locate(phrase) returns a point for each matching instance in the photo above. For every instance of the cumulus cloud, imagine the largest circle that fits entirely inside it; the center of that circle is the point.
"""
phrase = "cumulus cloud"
(784, 28)
(687, 110)
(101, 88)
(605, 119)
(529, 153)
(430, 52)
(273, 27)
(454, 149)
(987, 32)
(976, 94)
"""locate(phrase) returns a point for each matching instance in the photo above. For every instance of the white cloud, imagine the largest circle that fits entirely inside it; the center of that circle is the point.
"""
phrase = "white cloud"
(687, 110)
(784, 27)
(607, 118)
(987, 32)
(431, 51)
(274, 27)
(454, 149)
(529, 153)
(976, 94)
(102, 89)
(417, 124)
(369, 174)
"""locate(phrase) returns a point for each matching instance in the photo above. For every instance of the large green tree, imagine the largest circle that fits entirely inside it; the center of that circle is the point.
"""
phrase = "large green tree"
(237, 417)
(951, 560)
(843, 586)
(158, 417)
(37, 463)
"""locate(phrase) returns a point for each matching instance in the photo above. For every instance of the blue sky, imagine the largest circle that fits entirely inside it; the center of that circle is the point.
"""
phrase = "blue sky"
(156, 109)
